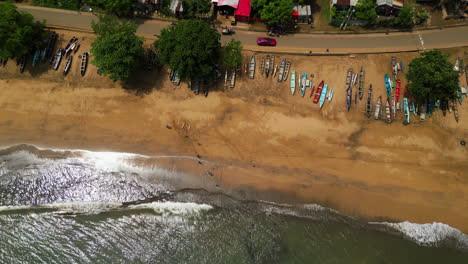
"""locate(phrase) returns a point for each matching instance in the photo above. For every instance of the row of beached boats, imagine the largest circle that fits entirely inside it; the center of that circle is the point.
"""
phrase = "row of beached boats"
(320, 95)
(269, 68)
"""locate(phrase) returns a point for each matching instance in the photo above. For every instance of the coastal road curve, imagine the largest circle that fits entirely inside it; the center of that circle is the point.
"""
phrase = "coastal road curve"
(354, 43)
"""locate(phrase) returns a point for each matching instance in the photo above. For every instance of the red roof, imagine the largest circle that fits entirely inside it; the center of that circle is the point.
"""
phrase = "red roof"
(243, 9)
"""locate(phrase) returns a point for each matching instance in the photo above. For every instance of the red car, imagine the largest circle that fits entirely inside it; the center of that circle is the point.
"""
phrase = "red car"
(266, 42)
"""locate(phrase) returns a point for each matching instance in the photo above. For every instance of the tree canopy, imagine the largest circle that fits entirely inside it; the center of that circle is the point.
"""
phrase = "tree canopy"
(19, 34)
(274, 11)
(232, 54)
(195, 7)
(191, 47)
(365, 10)
(405, 17)
(117, 50)
(432, 76)
(118, 7)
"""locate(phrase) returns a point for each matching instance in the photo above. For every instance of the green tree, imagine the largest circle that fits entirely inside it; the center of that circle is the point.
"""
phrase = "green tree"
(365, 10)
(19, 34)
(405, 17)
(118, 7)
(191, 47)
(232, 54)
(117, 50)
(274, 11)
(432, 76)
(195, 7)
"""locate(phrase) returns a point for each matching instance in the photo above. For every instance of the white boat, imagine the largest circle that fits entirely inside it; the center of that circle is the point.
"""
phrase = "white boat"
(252, 67)
(293, 82)
(233, 80)
(281, 70)
(330, 95)
(68, 65)
(378, 107)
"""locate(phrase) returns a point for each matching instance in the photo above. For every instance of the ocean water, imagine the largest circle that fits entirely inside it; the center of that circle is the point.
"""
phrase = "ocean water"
(74, 206)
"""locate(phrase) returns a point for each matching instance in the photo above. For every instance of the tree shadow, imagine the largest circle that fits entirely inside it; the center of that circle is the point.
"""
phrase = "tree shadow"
(143, 82)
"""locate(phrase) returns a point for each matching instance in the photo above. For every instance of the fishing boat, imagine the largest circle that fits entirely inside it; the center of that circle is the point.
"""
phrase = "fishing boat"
(226, 77)
(84, 63)
(394, 107)
(444, 106)
(378, 107)
(330, 96)
(388, 85)
(397, 92)
(455, 111)
(415, 109)
(369, 102)
(281, 70)
(394, 67)
(402, 68)
(361, 82)
(407, 111)
(267, 66)
(349, 91)
(348, 98)
(262, 65)
(68, 65)
(456, 66)
(275, 70)
(388, 111)
(422, 116)
(430, 107)
(322, 95)
(22, 63)
(233, 80)
(36, 56)
(303, 83)
(292, 82)
(318, 92)
(70, 45)
(252, 67)
(196, 87)
(286, 70)
(312, 92)
(449, 106)
(272, 65)
(58, 59)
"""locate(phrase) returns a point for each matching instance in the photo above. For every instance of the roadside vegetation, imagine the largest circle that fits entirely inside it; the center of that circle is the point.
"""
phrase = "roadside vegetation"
(274, 11)
(232, 55)
(116, 7)
(117, 51)
(64, 4)
(432, 77)
(19, 33)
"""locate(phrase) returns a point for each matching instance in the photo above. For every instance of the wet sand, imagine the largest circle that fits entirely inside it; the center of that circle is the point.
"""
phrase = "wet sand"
(270, 145)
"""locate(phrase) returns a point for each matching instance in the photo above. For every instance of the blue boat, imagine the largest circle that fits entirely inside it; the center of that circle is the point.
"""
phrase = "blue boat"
(407, 112)
(460, 98)
(323, 95)
(388, 85)
(36, 57)
(303, 83)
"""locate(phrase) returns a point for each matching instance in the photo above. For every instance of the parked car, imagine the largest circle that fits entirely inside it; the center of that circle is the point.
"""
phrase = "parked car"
(266, 42)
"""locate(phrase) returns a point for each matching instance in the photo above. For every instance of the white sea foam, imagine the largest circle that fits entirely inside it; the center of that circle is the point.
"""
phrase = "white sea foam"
(318, 208)
(429, 234)
(83, 207)
(14, 207)
(174, 208)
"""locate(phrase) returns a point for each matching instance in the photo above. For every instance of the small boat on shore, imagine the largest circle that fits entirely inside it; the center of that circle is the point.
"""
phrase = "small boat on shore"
(361, 82)
(286, 70)
(407, 110)
(330, 96)
(233, 79)
(272, 65)
(36, 57)
(455, 111)
(388, 111)
(252, 67)
(422, 116)
(281, 70)
(456, 66)
(58, 59)
(444, 106)
(262, 64)
(226, 77)
(388, 85)
(394, 107)
(397, 92)
(68, 65)
(323, 95)
(378, 107)
(303, 83)
(84, 63)
(267, 65)
(318, 92)
(292, 82)
(402, 66)
(430, 107)
(369, 102)
(22, 63)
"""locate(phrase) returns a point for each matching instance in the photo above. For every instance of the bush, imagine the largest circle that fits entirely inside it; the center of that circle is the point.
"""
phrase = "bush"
(64, 4)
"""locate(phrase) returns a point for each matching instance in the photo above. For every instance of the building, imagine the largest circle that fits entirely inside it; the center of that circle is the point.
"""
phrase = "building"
(388, 7)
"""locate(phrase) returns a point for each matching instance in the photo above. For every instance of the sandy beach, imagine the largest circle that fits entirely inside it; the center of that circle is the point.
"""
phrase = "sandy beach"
(273, 146)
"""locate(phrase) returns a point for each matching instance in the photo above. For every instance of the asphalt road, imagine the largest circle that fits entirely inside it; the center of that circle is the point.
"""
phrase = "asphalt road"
(448, 37)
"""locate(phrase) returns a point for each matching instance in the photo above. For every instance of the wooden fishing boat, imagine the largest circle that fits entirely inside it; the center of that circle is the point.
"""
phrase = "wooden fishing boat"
(70, 45)
(84, 63)
(349, 79)
(330, 96)
(322, 95)
(281, 70)
(286, 70)
(430, 108)
(36, 56)
(318, 92)
(272, 65)
(68, 65)
(361, 82)
(378, 107)
(407, 110)
(58, 59)
(312, 92)
(388, 111)
(233, 80)
(369, 102)
(388, 85)
(456, 66)
(422, 116)
(303, 83)
(275, 70)
(196, 86)
(22, 63)
(449, 106)
(292, 82)
(402, 66)
(262, 64)
(444, 106)
(226, 77)
(397, 92)
(394, 67)
(455, 111)
(267, 66)
(394, 107)
(252, 67)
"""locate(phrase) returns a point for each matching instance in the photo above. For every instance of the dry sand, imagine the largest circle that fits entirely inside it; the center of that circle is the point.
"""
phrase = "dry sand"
(274, 146)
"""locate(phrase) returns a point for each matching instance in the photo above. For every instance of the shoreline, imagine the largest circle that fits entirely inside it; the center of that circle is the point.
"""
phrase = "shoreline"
(280, 147)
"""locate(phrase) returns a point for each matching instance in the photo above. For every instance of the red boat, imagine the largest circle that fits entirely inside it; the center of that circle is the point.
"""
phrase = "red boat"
(404, 91)
(318, 92)
(312, 91)
(397, 91)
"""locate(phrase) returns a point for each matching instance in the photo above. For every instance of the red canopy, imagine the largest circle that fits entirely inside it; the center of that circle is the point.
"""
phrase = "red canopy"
(243, 9)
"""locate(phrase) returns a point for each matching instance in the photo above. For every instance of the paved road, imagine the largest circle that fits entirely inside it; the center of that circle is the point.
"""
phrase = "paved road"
(449, 37)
